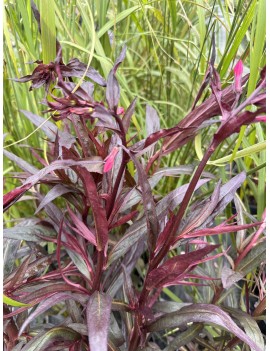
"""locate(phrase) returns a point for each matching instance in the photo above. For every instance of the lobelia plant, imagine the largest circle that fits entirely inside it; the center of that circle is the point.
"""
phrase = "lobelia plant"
(96, 220)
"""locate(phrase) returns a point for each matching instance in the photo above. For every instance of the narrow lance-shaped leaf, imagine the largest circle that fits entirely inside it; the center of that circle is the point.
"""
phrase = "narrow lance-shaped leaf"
(98, 312)
(138, 230)
(148, 203)
(249, 324)
(93, 164)
(46, 340)
(56, 191)
(47, 127)
(25, 166)
(152, 124)
(113, 89)
(82, 228)
(197, 218)
(99, 213)
(256, 256)
(48, 303)
(128, 114)
(14, 195)
(175, 267)
(202, 313)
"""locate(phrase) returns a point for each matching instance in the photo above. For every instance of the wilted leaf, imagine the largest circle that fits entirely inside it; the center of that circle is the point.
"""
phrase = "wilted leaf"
(229, 277)
(75, 68)
(98, 318)
(201, 313)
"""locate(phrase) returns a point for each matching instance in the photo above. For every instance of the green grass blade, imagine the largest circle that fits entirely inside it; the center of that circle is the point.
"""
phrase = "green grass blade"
(48, 30)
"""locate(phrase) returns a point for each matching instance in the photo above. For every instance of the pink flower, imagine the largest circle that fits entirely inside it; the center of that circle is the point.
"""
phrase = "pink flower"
(109, 160)
(120, 110)
(260, 119)
(238, 71)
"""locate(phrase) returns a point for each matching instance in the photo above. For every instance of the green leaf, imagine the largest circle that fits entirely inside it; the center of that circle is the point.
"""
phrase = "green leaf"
(185, 337)
(14, 303)
(248, 151)
(253, 259)
(249, 324)
(43, 341)
(238, 37)
(48, 30)
(118, 18)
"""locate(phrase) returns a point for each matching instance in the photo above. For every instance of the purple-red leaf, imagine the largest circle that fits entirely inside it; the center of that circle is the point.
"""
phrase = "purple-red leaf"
(152, 124)
(98, 312)
(105, 119)
(201, 313)
(82, 228)
(92, 164)
(99, 213)
(128, 114)
(175, 268)
(148, 203)
(138, 229)
(14, 195)
(75, 68)
(113, 89)
(48, 303)
(56, 191)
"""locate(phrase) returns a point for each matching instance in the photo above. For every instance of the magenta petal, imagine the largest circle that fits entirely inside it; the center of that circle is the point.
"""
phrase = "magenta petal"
(120, 110)
(109, 160)
(238, 71)
(260, 119)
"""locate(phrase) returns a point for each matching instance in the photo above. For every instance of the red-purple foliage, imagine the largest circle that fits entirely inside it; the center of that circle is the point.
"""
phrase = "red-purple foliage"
(109, 218)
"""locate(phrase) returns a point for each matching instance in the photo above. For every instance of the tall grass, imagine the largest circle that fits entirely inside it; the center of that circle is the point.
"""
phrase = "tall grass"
(169, 45)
